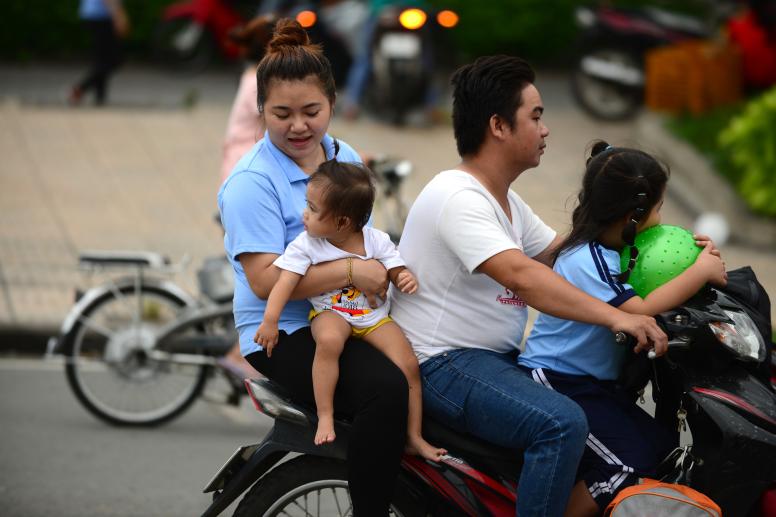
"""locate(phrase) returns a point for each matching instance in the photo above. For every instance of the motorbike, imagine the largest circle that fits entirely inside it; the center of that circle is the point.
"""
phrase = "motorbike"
(403, 59)
(192, 33)
(139, 349)
(608, 76)
(708, 380)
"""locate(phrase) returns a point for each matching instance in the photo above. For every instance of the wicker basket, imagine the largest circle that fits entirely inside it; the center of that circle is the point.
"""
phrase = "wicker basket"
(692, 76)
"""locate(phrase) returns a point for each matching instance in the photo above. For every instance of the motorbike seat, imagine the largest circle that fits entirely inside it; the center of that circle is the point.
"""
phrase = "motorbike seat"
(122, 258)
(490, 458)
(483, 455)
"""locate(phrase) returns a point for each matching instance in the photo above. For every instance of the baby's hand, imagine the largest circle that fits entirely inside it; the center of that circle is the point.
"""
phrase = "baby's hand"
(406, 282)
(267, 336)
(712, 265)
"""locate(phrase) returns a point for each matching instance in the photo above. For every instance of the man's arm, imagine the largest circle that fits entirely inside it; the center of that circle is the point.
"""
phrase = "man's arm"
(548, 292)
(545, 257)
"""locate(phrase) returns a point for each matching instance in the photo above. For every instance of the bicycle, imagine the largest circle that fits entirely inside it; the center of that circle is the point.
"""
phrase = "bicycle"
(138, 348)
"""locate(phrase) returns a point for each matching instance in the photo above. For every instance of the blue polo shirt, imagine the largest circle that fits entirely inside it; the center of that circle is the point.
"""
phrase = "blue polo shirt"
(261, 205)
(578, 348)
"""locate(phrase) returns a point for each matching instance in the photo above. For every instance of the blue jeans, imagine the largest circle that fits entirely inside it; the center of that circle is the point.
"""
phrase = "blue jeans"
(486, 394)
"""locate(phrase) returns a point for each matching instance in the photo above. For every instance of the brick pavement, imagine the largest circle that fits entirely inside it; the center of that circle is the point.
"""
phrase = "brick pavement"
(141, 174)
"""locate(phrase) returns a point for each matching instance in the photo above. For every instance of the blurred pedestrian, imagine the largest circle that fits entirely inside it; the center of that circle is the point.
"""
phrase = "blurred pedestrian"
(108, 23)
(244, 128)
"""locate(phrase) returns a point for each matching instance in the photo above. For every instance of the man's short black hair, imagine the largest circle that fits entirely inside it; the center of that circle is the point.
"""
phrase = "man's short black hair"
(492, 85)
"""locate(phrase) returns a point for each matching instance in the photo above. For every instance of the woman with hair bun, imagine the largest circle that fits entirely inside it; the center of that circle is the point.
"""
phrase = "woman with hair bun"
(261, 205)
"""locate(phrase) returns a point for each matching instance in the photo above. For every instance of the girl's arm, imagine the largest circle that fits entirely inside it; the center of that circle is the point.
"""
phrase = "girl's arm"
(708, 267)
(369, 276)
(267, 333)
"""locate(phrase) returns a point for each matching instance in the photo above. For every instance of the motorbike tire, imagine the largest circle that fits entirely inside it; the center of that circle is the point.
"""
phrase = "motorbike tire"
(291, 484)
(606, 100)
(174, 48)
(102, 329)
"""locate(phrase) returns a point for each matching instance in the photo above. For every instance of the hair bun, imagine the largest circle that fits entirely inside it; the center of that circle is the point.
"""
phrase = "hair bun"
(288, 33)
(599, 146)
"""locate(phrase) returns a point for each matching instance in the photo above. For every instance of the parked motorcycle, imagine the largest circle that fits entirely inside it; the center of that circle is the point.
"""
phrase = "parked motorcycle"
(404, 58)
(609, 74)
(710, 379)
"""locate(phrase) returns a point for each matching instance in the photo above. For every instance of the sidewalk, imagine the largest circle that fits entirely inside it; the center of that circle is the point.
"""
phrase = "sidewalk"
(142, 174)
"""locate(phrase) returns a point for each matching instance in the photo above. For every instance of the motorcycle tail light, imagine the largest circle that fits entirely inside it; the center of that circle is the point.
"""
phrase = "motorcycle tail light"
(412, 19)
(270, 404)
(741, 337)
(306, 19)
(447, 19)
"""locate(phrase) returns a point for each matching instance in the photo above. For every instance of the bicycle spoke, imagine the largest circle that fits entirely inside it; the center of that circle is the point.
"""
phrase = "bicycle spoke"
(100, 329)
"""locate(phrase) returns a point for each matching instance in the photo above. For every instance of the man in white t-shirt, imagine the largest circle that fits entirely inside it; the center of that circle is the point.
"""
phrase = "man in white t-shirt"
(481, 256)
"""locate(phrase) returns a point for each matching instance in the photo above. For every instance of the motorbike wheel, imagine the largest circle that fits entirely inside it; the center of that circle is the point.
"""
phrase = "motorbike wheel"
(309, 486)
(604, 99)
(183, 45)
(107, 363)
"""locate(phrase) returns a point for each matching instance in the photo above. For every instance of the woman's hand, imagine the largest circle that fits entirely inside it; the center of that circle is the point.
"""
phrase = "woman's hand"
(712, 265)
(371, 278)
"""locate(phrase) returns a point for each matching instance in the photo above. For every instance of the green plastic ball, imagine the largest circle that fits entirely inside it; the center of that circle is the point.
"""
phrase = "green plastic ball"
(665, 251)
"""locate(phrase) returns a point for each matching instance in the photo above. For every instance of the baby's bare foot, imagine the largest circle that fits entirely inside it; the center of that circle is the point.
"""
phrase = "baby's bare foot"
(418, 446)
(325, 431)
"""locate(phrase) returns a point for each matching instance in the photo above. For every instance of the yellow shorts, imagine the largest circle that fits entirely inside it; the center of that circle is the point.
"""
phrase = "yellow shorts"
(355, 332)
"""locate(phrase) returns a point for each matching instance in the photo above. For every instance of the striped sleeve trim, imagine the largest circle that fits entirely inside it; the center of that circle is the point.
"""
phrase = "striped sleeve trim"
(622, 298)
(603, 270)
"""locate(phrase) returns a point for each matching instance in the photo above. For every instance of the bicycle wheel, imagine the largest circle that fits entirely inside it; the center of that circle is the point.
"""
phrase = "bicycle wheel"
(108, 366)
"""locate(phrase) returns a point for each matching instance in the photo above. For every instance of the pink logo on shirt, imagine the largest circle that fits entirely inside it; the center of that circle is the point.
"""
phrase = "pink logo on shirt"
(511, 299)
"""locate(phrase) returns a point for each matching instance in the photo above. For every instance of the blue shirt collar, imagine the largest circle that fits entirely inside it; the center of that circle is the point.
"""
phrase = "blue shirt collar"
(289, 167)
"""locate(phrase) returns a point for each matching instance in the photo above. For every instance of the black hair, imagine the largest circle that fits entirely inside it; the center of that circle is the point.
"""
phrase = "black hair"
(291, 56)
(618, 182)
(491, 85)
(348, 191)
(254, 36)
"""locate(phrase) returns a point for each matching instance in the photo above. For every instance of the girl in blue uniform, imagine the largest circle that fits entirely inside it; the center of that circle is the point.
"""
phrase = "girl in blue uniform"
(622, 193)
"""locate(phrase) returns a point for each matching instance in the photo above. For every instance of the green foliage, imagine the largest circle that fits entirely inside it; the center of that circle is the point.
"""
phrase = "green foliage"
(750, 140)
(533, 29)
(702, 131)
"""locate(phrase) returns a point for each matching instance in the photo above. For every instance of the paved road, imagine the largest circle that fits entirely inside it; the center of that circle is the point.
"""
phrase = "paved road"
(59, 460)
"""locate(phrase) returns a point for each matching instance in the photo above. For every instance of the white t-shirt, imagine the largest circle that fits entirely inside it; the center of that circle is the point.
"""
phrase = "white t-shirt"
(348, 302)
(454, 226)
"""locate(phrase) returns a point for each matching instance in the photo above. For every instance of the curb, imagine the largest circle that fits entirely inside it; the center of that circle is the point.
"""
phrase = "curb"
(700, 188)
